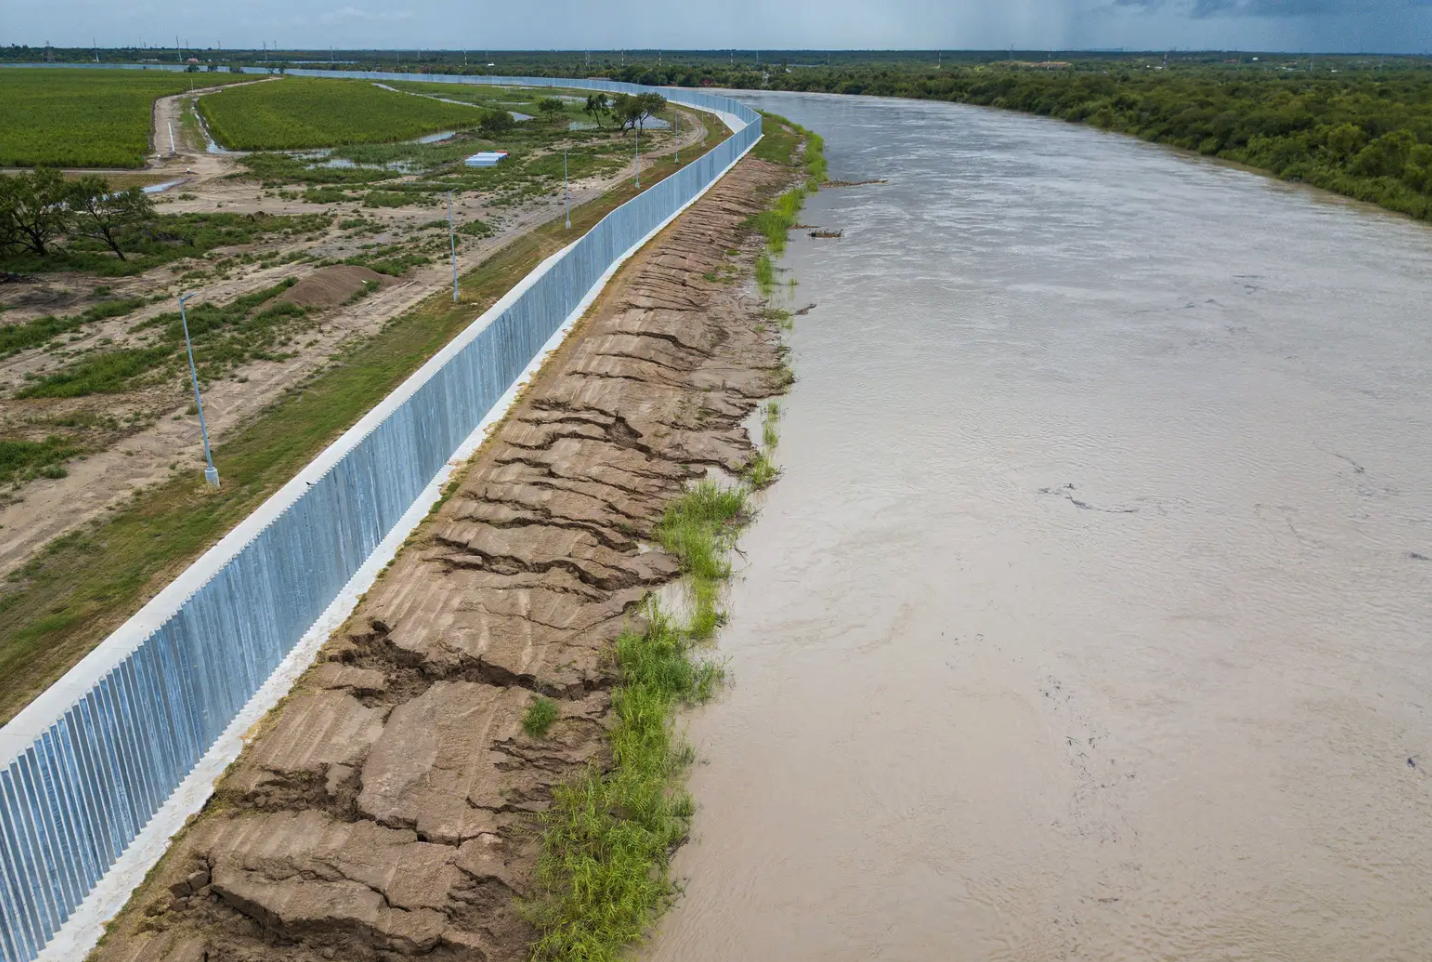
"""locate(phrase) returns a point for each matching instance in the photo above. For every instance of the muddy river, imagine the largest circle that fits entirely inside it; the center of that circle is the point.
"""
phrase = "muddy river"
(1092, 617)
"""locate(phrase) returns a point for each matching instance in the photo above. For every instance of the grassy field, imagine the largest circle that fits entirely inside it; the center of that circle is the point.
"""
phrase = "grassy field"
(82, 586)
(84, 118)
(521, 99)
(300, 112)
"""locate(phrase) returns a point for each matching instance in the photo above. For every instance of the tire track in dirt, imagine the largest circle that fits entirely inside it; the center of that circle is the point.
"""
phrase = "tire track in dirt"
(385, 808)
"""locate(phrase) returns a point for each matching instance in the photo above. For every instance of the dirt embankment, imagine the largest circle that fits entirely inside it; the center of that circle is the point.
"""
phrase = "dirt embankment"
(385, 810)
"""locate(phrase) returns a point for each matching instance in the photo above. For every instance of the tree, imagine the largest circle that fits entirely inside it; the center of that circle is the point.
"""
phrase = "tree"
(495, 122)
(632, 110)
(36, 208)
(598, 106)
(9, 233)
(1386, 156)
(109, 216)
(551, 109)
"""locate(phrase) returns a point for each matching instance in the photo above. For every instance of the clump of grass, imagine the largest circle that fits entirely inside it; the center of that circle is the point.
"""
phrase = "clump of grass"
(603, 874)
(539, 717)
(769, 435)
(765, 273)
(784, 319)
(696, 529)
(761, 471)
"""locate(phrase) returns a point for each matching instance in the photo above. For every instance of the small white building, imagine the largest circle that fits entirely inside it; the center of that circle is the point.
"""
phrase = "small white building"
(486, 158)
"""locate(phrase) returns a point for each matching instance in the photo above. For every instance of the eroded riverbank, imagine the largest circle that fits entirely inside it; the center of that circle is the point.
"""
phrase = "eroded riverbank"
(387, 806)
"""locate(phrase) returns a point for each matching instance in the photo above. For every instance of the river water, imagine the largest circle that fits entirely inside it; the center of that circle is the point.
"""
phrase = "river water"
(1091, 618)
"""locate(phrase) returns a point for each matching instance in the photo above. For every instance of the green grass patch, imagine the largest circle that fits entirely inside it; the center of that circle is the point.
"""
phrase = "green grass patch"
(603, 874)
(540, 716)
(476, 228)
(84, 118)
(223, 336)
(388, 198)
(300, 112)
(17, 337)
(23, 460)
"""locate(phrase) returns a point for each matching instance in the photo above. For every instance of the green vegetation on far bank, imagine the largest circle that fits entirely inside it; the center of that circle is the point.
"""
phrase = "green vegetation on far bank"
(84, 118)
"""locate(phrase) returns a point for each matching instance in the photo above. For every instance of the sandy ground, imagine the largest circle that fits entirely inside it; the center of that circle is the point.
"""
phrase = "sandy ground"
(156, 434)
(385, 808)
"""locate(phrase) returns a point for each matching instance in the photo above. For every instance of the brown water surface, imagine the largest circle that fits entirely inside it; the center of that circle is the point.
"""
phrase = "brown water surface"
(1091, 618)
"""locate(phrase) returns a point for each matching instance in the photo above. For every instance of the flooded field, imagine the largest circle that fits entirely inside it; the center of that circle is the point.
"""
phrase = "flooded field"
(1091, 617)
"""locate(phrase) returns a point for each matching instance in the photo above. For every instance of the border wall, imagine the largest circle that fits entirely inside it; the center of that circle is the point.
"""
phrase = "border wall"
(87, 765)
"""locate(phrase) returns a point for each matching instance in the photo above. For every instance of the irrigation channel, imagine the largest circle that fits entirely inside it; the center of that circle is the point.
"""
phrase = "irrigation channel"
(1090, 617)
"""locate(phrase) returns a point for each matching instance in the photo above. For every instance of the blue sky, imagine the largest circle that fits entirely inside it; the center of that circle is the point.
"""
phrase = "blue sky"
(1293, 25)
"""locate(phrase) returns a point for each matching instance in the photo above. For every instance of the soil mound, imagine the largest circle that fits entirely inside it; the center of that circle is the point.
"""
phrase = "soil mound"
(332, 286)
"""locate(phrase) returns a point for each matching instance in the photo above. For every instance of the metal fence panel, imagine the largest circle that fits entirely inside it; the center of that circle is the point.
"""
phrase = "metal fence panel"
(77, 792)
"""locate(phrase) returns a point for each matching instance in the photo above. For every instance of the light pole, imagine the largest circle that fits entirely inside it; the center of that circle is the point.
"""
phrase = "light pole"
(676, 131)
(211, 473)
(638, 156)
(452, 242)
(566, 190)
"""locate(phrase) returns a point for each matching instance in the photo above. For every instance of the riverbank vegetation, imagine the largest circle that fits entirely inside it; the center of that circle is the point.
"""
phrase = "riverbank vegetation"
(603, 873)
(84, 118)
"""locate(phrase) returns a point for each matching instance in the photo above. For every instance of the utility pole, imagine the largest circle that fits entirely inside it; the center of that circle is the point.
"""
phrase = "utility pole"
(211, 473)
(566, 189)
(637, 130)
(452, 242)
(676, 132)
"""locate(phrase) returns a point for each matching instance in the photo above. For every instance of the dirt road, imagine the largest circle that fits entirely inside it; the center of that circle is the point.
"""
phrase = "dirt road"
(385, 808)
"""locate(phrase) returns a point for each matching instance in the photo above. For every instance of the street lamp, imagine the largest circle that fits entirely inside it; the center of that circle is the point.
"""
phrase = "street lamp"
(211, 473)
(676, 131)
(638, 156)
(566, 191)
(452, 242)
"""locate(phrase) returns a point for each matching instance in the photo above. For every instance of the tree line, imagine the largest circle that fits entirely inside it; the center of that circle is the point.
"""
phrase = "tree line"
(40, 210)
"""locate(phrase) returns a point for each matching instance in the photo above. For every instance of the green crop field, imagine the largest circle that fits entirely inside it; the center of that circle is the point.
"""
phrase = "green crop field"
(523, 99)
(84, 118)
(300, 112)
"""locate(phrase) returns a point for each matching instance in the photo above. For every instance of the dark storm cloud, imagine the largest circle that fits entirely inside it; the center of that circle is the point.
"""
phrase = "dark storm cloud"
(1275, 8)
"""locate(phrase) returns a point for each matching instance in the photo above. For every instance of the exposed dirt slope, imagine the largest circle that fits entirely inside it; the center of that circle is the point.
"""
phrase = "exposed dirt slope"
(384, 810)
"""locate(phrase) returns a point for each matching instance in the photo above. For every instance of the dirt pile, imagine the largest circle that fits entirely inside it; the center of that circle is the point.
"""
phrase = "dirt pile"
(333, 286)
(386, 809)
